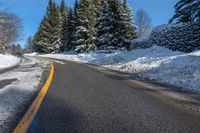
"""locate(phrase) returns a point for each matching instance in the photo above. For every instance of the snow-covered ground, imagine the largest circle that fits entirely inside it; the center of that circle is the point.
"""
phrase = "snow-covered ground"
(16, 89)
(156, 63)
(8, 61)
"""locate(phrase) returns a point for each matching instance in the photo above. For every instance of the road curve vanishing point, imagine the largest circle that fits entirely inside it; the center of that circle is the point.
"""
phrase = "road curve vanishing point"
(27, 119)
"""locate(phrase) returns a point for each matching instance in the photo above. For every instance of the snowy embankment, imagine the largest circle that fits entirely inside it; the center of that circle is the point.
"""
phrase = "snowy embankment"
(7, 61)
(16, 90)
(156, 63)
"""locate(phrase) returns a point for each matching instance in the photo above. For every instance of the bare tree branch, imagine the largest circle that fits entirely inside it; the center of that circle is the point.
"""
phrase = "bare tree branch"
(10, 28)
(143, 23)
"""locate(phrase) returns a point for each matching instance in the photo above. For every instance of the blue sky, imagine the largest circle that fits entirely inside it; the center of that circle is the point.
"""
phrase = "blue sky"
(32, 11)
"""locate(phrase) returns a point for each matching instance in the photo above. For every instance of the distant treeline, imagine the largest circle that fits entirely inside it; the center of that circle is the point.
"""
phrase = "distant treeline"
(91, 25)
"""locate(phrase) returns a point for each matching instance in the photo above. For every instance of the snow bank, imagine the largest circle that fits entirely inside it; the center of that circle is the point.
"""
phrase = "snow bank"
(13, 96)
(156, 63)
(8, 61)
(32, 54)
(163, 65)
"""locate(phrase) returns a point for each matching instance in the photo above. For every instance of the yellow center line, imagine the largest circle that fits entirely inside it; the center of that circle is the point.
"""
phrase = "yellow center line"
(27, 119)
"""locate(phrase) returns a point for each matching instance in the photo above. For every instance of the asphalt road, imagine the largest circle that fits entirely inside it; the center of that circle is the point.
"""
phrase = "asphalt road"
(83, 99)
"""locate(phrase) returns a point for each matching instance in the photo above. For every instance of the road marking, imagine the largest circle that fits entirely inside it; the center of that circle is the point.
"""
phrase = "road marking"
(27, 119)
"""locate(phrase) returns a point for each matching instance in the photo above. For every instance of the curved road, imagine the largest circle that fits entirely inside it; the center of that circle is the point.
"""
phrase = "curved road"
(83, 99)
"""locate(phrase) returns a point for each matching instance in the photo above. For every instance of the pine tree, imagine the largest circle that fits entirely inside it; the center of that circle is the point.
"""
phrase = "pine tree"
(75, 23)
(55, 22)
(92, 17)
(42, 37)
(76, 7)
(97, 6)
(70, 28)
(127, 31)
(64, 30)
(48, 37)
(82, 24)
(196, 10)
(85, 29)
(105, 28)
(116, 8)
(186, 11)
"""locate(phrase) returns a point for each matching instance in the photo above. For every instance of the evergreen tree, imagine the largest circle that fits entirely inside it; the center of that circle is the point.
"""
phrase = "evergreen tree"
(93, 23)
(82, 24)
(186, 11)
(105, 28)
(75, 24)
(48, 37)
(92, 27)
(97, 6)
(41, 38)
(85, 29)
(115, 27)
(70, 28)
(195, 7)
(55, 22)
(116, 8)
(128, 30)
(76, 7)
(182, 14)
(64, 30)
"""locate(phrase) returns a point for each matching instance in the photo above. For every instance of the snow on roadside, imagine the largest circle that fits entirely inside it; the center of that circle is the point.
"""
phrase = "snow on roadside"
(156, 63)
(8, 61)
(13, 96)
(160, 64)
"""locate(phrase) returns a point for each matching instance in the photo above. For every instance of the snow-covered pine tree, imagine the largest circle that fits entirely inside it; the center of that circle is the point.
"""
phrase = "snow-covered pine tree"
(64, 30)
(55, 21)
(85, 30)
(92, 17)
(74, 22)
(76, 7)
(183, 11)
(82, 26)
(98, 6)
(105, 29)
(124, 30)
(48, 37)
(70, 28)
(115, 27)
(128, 29)
(42, 37)
(196, 10)
(116, 9)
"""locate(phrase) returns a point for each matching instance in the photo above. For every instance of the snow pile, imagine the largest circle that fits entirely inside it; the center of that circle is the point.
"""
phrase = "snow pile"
(182, 37)
(156, 63)
(32, 54)
(163, 65)
(8, 61)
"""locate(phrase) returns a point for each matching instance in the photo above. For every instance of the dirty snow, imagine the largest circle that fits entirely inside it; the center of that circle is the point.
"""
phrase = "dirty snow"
(156, 63)
(8, 61)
